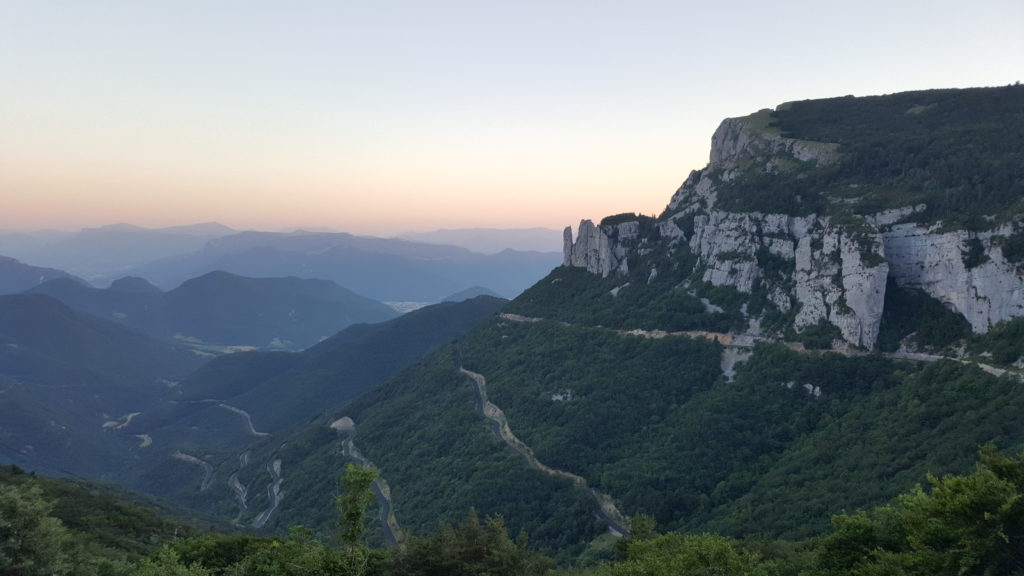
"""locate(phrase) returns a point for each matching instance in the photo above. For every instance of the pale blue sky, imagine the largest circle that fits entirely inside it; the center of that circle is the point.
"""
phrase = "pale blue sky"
(386, 116)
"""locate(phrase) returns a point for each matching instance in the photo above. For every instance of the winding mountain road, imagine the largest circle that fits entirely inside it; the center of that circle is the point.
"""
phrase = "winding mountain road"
(240, 493)
(246, 416)
(617, 522)
(392, 531)
(747, 341)
(273, 493)
(206, 466)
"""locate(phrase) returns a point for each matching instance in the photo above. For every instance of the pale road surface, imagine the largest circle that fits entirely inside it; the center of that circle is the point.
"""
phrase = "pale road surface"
(240, 493)
(206, 466)
(617, 522)
(244, 414)
(392, 531)
(748, 341)
(273, 493)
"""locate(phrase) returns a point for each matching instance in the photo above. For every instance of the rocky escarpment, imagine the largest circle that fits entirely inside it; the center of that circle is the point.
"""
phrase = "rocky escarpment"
(813, 268)
(965, 270)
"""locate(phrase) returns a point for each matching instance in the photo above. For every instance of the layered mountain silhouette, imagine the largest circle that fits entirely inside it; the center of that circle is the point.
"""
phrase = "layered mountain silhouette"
(225, 309)
(241, 402)
(67, 379)
(17, 277)
(102, 254)
(384, 269)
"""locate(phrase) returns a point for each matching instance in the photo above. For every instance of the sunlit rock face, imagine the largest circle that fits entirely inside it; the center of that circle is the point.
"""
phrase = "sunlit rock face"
(835, 271)
(985, 294)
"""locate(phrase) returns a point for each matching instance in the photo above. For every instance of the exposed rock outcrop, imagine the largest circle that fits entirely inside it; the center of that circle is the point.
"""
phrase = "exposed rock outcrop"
(595, 249)
(988, 293)
(818, 268)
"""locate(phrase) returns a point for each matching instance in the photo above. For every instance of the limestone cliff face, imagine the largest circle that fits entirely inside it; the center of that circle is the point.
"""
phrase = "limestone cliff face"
(814, 267)
(985, 294)
(737, 139)
(599, 249)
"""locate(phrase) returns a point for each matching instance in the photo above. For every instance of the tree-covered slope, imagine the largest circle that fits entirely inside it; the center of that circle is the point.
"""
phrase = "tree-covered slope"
(70, 381)
(290, 313)
(276, 393)
(958, 152)
(226, 310)
(653, 423)
(17, 277)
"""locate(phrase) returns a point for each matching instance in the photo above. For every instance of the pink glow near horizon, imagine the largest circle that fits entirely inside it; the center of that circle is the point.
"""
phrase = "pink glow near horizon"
(382, 118)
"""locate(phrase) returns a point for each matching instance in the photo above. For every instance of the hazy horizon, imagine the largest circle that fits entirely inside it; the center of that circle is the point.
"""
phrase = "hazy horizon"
(285, 230)
(399, 116)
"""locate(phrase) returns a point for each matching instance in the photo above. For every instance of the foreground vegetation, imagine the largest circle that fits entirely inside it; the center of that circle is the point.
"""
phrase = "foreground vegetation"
(954, 525)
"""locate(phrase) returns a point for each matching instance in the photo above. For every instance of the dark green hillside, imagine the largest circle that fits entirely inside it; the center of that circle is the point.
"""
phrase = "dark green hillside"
(111, 517)
(795, 438)
(233, 374)
(576, 296)
(45, 342)
(17, 277)
(960, 152)
(282, 392)
(468, 293)
(440, 459)
(932, 421)
(137, 309)
(289, 313)
(226, 310)
(64, 375)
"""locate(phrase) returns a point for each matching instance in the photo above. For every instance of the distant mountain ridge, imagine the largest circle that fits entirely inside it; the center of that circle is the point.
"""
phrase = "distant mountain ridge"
(491, 240)
(101, 254)
(225, 309)
(17, 277)
(64, 375)
(382, 268)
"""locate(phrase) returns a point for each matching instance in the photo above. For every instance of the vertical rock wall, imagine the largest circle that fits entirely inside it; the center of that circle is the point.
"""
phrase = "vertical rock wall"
(839, 272)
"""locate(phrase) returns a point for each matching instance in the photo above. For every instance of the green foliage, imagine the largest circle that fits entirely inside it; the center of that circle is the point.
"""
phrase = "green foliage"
(970, 524)
(298, 555)
(907, 420)
(1013, 247)
(686, 555)
(31, 541)
(957, 151)
(357, 495)
(168, 563)
(576, 296)
(105, 523)
(819, 336)
(974, 255)
(1004, 341)
(470, 549)
(217, 552)
(908, 311)
(626, 217)
(60, 370)
(775, 267)
(795, 438)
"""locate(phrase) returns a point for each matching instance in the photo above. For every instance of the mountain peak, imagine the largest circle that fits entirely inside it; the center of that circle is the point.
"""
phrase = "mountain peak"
(803, 213)
(134, 284)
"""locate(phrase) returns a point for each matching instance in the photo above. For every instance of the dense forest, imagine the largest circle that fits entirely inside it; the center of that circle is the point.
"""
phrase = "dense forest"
(933, 147)
(971, 523)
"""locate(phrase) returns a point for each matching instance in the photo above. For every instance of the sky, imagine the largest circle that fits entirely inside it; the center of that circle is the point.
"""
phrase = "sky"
(381, 117)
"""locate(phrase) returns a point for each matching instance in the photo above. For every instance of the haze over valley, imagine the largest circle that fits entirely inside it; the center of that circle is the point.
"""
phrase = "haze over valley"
(538, 289)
